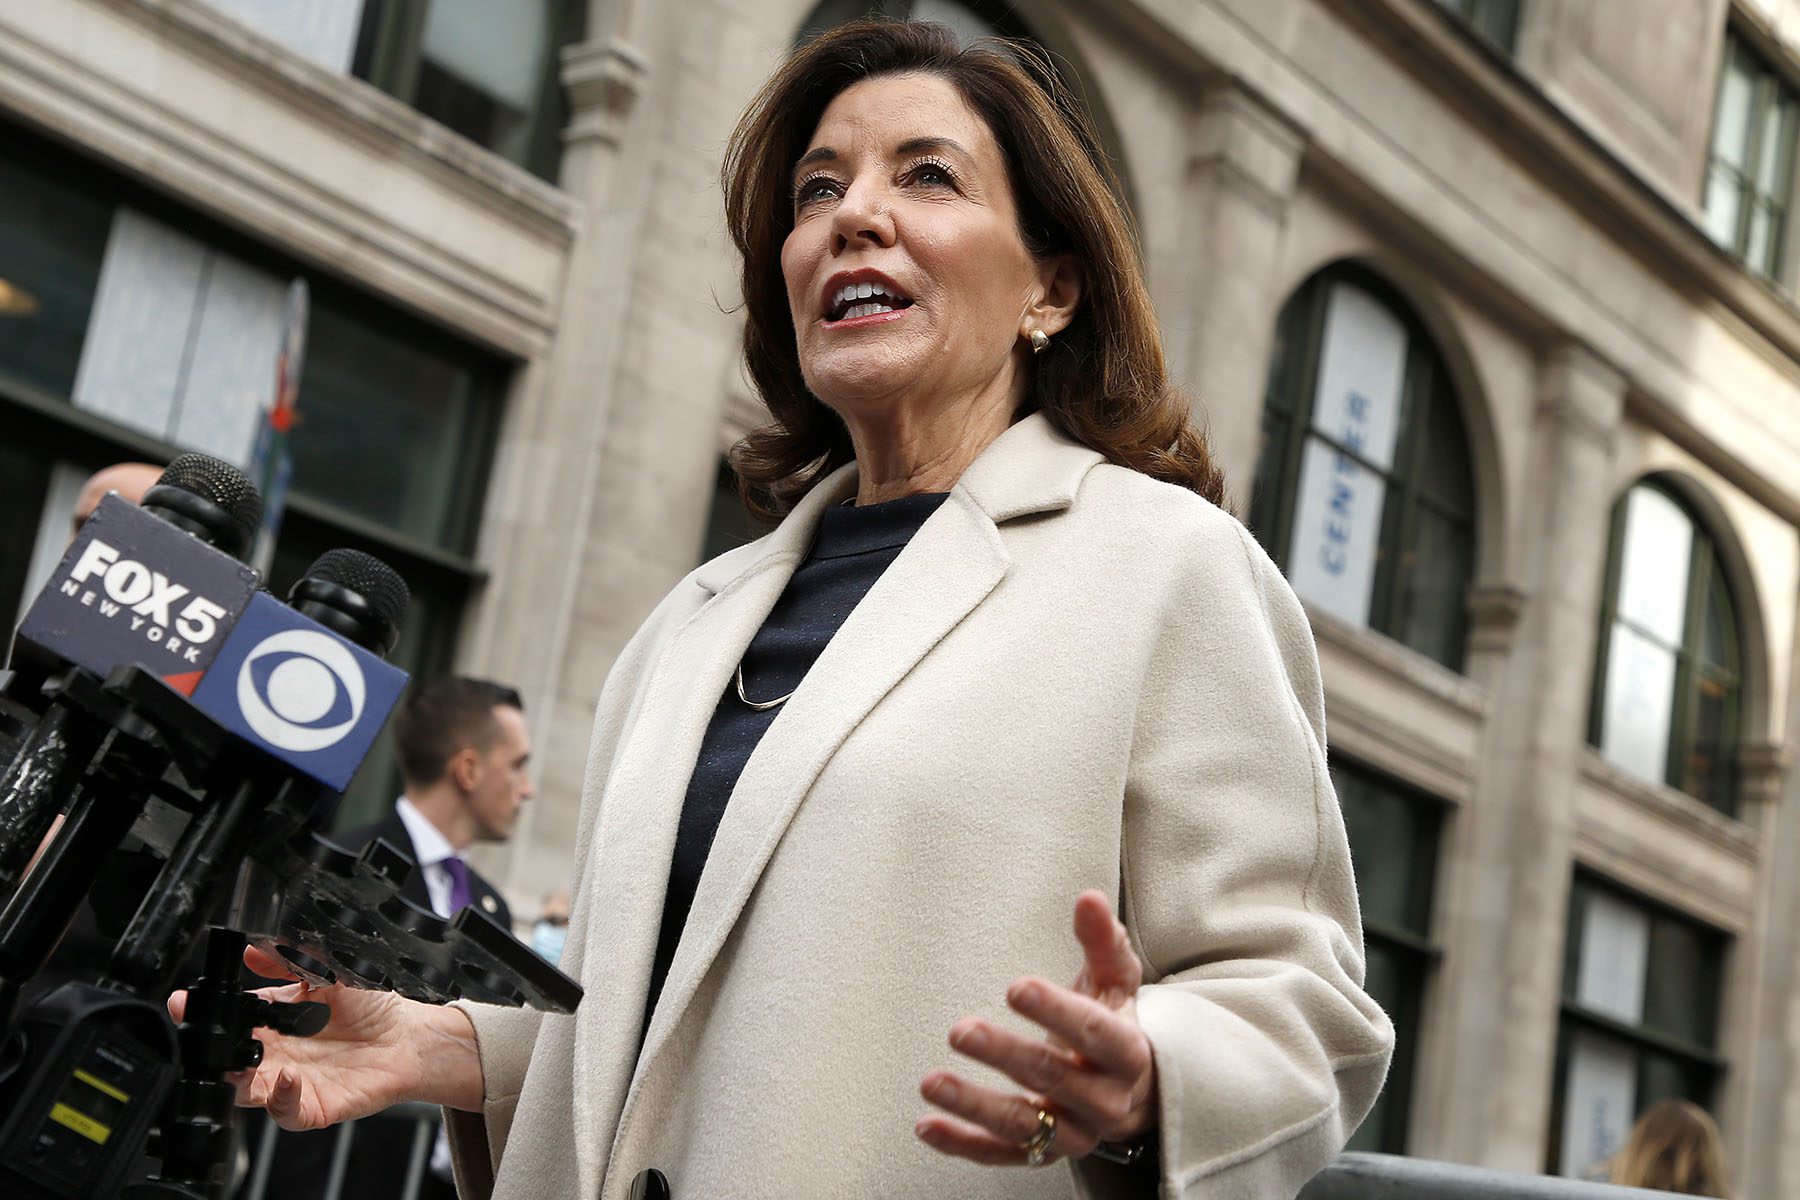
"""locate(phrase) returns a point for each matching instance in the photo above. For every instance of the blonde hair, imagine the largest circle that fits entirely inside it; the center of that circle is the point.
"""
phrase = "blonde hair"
(1675, 1147)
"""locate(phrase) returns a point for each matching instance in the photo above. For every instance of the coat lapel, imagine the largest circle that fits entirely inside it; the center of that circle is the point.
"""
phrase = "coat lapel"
(953, 563)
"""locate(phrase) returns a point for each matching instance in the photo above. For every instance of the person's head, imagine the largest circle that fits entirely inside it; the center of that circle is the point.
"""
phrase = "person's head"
(130, 479)
(970, 186)
(1674, 1147)
(465, 756)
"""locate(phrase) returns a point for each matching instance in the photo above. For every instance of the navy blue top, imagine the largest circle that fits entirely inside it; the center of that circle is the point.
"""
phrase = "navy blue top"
(852, 548)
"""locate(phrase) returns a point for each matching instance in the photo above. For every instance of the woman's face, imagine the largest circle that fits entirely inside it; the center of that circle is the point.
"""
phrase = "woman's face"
(906, 275)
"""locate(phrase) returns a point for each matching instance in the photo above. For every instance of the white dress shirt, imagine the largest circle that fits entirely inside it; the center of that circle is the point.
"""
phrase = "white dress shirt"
(431, 848)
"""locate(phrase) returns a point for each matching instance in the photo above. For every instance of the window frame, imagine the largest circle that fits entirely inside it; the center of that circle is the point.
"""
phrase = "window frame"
(1493, 22)
(390, 48)
(1413, 946)
(1642, 1040)
(1425, 375)
(1705, 566)
(1769, 87)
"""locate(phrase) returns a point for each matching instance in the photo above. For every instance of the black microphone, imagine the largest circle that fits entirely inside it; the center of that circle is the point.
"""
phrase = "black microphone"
(209, 499)
(356, 596)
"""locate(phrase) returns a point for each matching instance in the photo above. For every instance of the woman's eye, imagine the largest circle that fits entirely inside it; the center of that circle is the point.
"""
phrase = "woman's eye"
(813, 189)
(933, 175)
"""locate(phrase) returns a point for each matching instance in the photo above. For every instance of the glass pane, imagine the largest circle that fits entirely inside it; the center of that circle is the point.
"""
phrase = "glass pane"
(1718, 633)
(1681, 987)
(1265, 500)
(1731, 127)
(1394, 981)
(1653, 573)
(1434, 581)
(1393, 845)
(52, 241)
(1445, 475)
(1599, 1093)
(1665, 1077)
(385, 414)
(1724, 203)
(1708, 763)
(1774, 152)
(1615, 945)
(1638, 704)
(481, 67)
(1337, 531)
(1362, 367)
(1759, 245)
(24, 483)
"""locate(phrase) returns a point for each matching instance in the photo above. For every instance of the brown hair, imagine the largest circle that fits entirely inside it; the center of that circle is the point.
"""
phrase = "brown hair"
(441, 719)
(1102, 381)
(1675, 1147)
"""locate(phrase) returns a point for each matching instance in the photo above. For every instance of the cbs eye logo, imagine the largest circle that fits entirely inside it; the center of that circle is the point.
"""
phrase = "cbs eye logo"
(300, 690)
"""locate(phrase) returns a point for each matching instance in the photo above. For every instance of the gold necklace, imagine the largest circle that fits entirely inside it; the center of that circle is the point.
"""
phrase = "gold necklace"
(758, 705)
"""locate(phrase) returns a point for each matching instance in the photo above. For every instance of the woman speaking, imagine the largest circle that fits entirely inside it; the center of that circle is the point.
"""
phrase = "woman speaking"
(970, 834)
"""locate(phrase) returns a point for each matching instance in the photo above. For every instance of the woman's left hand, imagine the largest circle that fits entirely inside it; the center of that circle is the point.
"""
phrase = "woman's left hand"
(1094, 1074)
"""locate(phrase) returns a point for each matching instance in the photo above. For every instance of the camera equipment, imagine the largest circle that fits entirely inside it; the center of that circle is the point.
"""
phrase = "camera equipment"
(158, 701)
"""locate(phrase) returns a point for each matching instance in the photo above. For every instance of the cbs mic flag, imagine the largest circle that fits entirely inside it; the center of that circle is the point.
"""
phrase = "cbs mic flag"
(286, 685)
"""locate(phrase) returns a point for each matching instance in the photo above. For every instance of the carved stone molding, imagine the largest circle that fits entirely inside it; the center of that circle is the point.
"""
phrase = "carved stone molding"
(1494, 611)
(1249, 144)
(604, 80)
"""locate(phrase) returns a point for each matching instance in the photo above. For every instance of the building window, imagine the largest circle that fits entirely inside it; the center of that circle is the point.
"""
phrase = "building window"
(1749, 178)
(1496, 22)
(1363, 488)
(1640, 1005)
(1668, 684)
(1394, 845)
(139, 331)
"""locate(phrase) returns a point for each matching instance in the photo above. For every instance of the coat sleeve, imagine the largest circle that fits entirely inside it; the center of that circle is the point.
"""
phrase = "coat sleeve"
(1238, 894)
(506, 1037)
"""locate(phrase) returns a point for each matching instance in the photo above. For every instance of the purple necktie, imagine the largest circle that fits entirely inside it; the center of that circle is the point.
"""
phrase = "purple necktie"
(460, 895)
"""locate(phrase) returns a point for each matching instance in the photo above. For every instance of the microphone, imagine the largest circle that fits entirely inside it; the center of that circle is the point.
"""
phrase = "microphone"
(304, 682)
(137, 587)
(155, 586)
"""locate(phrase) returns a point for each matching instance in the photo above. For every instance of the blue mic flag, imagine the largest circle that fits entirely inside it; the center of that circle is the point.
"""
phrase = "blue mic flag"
(135, 590)
(292, 688)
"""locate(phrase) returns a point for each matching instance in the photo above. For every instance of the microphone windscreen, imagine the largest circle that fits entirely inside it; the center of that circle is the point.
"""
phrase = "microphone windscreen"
(357, 595)
(209, 498)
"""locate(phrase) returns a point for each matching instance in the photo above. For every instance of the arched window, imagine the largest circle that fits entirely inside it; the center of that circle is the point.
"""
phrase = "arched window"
(1363, 490)
(1667, 687)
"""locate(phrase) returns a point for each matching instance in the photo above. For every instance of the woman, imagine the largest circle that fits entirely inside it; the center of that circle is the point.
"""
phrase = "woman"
(1067, 685)
(1674, 1147)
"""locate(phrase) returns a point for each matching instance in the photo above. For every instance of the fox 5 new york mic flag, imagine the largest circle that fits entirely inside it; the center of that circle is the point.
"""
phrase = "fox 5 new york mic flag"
(310, 698)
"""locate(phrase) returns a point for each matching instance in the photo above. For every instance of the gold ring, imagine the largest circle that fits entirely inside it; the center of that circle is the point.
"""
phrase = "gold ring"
(1037, 1146)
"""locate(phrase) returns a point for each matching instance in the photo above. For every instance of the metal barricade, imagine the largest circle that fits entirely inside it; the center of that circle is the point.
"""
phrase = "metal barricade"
(424, 1117)
(1395, 1177)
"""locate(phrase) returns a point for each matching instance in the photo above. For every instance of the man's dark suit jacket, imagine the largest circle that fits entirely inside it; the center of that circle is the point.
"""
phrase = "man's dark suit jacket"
(380, 1147)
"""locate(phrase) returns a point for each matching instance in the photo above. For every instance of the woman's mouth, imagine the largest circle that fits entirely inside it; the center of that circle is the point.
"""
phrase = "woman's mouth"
(854, 301)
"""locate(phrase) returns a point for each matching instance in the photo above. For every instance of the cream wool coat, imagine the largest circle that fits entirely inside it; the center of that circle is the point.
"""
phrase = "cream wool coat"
(1072, 677)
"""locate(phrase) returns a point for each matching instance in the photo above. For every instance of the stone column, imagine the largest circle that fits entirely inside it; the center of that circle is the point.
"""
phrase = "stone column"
(1219, 313)
(1486, 1063)
(1762, 1124)
(545, 503)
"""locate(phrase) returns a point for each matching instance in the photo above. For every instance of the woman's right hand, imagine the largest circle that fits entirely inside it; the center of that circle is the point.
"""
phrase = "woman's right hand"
(377, 1049)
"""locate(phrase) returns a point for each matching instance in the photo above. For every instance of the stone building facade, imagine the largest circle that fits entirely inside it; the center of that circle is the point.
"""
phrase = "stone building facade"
(1490, 305)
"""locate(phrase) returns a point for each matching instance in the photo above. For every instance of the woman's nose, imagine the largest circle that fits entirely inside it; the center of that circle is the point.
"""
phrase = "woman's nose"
(863, 216)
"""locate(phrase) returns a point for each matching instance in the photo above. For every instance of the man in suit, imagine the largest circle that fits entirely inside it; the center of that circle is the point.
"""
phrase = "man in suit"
(464, 757)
